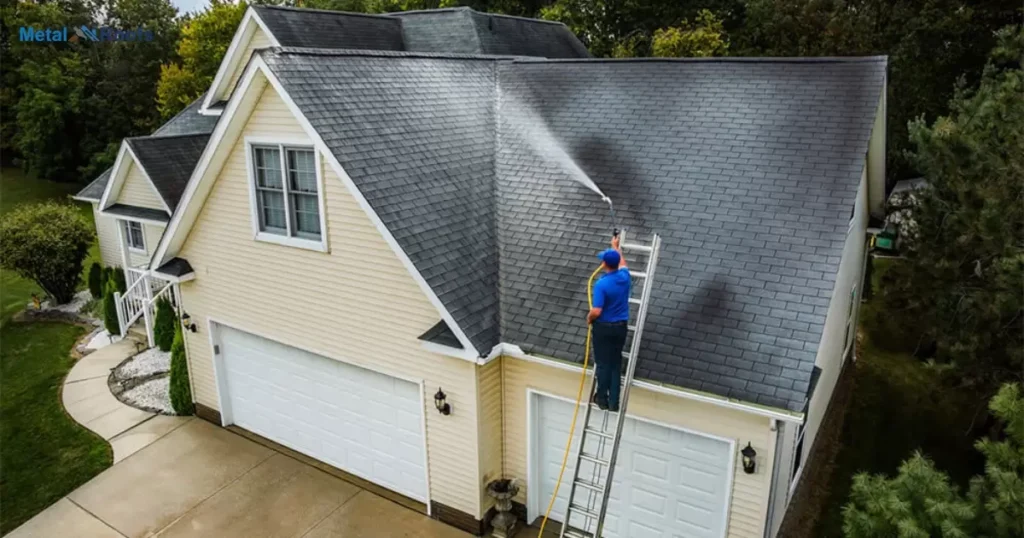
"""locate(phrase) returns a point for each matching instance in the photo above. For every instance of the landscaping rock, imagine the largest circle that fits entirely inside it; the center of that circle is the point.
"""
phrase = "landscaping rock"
(142, 381)
(151, 395)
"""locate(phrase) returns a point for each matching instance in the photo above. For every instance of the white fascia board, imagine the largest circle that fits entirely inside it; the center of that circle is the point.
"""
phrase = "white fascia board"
(516, 352)
(448, 351)
(244, 33)
(258, 66)
(115, 176)
(84, 199)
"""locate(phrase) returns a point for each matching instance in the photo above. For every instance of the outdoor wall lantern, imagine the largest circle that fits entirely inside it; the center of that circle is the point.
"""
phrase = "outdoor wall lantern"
(442, 406)
(187, 320)
(749, 464)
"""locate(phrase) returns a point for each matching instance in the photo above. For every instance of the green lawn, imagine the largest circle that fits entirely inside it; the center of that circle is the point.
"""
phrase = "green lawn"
(15, 190)
(899, 405)
(45, 453)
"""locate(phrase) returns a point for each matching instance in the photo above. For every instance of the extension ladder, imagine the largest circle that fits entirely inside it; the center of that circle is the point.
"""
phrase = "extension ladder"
(599, 446)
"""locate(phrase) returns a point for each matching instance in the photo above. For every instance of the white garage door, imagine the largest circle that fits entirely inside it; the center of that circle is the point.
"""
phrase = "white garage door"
(667, 483)
(363, 422)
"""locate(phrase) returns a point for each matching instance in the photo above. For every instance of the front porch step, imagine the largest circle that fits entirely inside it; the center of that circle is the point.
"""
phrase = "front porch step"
(137, 334)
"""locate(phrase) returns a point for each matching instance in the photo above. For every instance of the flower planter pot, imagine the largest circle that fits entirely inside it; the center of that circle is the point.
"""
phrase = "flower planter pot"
(504, 523)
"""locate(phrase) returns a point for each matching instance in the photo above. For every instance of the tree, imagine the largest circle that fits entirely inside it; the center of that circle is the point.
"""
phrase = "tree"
(204, 41)
(110, 321)
(705, 37)
(922, 502)
(47, 244)
(961, 280)
(163, 325)
(117, 281)
(180, 391)
(96, 280)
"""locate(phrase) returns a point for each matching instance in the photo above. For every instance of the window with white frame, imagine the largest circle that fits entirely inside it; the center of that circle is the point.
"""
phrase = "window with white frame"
(133, 235)
(287, 191)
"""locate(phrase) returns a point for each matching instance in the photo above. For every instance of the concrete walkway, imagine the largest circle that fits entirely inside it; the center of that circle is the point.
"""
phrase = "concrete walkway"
(88, 400)
(204, 480)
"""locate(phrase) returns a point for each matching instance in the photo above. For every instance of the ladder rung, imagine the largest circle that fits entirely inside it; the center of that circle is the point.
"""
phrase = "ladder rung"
(599, 433)
(630, 327)
(639, 248)
(596, 408)
(634, 300)
(595, 461)
(582, 511)
(576, 533)
(638, 274)
(592, 487)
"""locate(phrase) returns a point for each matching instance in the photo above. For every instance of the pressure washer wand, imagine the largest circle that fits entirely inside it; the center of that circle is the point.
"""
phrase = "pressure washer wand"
(615, 221)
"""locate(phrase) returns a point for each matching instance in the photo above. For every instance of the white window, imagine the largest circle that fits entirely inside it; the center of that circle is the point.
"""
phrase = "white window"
(286, 195)
(134, 236)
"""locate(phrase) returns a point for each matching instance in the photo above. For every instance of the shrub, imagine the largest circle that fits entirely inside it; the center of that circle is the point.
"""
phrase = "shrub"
(46, 243)
(96, 280)
(110, 321)
(117, 280)
(181, 394)
(163, 325)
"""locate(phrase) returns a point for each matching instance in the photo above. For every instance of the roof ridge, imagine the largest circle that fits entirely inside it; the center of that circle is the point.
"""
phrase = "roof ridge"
(382, 16)
(386, 53)
(474, 11)
(719, 59)
(181, 135)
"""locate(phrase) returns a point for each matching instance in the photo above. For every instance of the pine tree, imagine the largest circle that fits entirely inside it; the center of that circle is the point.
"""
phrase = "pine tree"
(180, 392)
(110, 321)
(95, 281)
(164, 324)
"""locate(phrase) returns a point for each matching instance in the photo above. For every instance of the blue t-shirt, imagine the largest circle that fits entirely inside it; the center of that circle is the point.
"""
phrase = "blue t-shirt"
(611, 295)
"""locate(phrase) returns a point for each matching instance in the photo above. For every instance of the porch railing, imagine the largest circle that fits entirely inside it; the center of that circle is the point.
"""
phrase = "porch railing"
(139, 300)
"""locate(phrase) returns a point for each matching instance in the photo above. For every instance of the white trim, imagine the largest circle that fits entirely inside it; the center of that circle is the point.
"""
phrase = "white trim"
(245, 32)
(686, 394)
(283, 144)
(172, 278)
(116, 178)
(84, 199)
(533, 509)
(116, 216)
(426, 448)
(259, 65)
(447, 351)
(228, 419)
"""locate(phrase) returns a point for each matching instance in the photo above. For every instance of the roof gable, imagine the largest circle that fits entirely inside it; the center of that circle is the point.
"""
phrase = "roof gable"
(140, 191)
(169, 161)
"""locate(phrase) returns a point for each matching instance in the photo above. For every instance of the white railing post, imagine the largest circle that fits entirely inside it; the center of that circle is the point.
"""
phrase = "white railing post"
(147, 308)
(120, 313)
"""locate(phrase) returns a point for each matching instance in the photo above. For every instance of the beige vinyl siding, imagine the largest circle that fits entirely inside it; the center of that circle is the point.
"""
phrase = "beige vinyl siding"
(830, 351)
(259, 40)
(489, 411)
(152, 232)
(749, 492)
(106, 235)
(356, 304)
(138, 191)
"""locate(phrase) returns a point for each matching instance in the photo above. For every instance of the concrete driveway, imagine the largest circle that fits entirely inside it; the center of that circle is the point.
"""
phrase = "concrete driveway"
(202, 480)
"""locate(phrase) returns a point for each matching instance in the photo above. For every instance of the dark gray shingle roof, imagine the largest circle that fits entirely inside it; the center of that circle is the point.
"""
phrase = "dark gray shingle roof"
(316, 28)
(747, 169)
(176, 267)
(136, 212)
(464, 30)
(441, 334)
(169, 161)
(188, 121)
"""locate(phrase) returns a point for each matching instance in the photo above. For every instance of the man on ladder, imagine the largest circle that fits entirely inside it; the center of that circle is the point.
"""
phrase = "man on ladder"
(610, 316)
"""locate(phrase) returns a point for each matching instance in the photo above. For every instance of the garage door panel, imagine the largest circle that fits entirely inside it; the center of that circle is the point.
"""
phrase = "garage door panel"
(667, 482)
(361, 421)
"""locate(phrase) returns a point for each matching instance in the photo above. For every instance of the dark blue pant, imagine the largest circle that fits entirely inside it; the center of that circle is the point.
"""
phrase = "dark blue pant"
(608, 340)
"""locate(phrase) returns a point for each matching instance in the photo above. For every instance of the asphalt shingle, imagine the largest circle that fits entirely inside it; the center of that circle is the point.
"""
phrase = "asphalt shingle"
(746, 168)
(169, 161)
(317, 28)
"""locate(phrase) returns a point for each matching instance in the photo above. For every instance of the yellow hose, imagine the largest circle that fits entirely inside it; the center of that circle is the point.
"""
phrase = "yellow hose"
(576, 411)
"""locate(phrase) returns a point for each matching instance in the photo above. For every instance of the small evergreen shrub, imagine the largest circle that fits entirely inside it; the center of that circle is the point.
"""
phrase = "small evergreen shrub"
(96, 280)
(105, 278)
(181, 394)
(163, 326)
(110, 314)
(117, 278)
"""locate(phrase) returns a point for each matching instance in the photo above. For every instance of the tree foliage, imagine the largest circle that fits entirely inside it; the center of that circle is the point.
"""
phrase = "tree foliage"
(96, 280)
(180, 391)
(960, 286)
(47, 244)
(921, 502)
(110, 321)
(164, 324)
(205, 39)
(705, 37)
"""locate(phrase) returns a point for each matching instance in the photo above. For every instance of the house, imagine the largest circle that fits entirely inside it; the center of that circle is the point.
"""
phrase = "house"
(369, 224)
